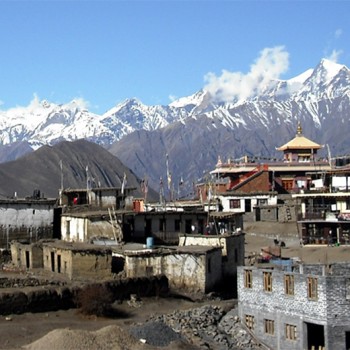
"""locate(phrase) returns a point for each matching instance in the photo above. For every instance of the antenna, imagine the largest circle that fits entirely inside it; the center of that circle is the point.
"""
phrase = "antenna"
(329, 155)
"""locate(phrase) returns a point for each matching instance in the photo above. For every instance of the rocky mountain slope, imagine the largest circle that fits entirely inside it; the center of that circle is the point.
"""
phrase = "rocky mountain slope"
(318, 98)
(83, 163)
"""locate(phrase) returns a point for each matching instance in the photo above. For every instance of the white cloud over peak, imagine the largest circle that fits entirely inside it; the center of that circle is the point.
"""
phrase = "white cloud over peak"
(233, 86)
(334, 56)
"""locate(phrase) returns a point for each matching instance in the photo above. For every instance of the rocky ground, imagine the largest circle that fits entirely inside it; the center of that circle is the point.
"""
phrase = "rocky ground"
(151, 323)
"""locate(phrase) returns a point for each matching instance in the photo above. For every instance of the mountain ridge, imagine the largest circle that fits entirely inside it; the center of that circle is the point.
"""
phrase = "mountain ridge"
(193, 131)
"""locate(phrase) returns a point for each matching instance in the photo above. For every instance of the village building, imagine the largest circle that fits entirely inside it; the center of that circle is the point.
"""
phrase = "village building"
(78, 261)
(87, 225)
(232, 252)
(97, 197)
(296, 306)
(324, 217)
(27, 255)
(30, 218)
(297, 171)
(195, 269)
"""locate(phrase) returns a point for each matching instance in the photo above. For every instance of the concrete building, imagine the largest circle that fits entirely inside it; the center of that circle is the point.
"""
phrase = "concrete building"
(289, 306)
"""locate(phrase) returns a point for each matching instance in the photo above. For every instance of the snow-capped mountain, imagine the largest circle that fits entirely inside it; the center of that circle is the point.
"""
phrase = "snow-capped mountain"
(194, 130)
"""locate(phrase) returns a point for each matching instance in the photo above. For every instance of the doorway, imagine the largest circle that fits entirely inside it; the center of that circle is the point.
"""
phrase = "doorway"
(58, 263)
(52, 261)
(315, 336)
(27, 260)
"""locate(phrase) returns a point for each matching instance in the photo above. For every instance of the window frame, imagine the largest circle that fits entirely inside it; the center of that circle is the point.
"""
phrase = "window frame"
(235, 204)
(312, 288)
(291, 332)
(267, 281)
(289, 284)
(248, 278)
(269, 326)
(249, 321)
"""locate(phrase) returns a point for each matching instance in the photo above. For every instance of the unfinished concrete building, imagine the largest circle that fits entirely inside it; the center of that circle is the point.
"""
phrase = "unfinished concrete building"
(290, 306)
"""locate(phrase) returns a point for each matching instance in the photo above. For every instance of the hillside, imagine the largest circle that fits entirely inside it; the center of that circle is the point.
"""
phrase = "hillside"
(80, 160)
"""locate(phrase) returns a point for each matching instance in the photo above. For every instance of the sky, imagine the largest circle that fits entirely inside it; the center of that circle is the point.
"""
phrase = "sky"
(103, 52)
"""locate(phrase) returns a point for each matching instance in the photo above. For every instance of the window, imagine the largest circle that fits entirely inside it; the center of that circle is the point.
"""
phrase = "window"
(248, 278)
(291, 332)
(177, 225)
(235, 203)
(269, 327)
(289, 284)
(262, 202)
(162, 225)
(249, 322)
(287, 184)
(312, 288)
(347, 289)
(267, 281)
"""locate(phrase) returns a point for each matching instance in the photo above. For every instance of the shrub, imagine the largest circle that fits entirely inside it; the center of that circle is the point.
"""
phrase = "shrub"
(95, 299)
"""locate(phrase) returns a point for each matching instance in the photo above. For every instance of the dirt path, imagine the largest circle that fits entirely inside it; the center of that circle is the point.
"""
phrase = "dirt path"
(19, 330)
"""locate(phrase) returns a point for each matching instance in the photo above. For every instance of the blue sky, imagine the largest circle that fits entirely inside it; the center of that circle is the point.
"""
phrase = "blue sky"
(106, 51)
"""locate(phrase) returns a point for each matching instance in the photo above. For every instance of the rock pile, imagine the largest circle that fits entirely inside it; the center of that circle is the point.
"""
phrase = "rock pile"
(207, 327)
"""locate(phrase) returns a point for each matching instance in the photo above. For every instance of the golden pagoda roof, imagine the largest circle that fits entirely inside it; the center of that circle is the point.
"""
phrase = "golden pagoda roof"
(299, 142)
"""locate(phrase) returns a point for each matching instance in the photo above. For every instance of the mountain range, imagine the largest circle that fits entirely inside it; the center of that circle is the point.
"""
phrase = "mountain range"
(190, 133)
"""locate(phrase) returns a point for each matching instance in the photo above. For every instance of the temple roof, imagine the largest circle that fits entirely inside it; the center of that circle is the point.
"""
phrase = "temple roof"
(299, 142)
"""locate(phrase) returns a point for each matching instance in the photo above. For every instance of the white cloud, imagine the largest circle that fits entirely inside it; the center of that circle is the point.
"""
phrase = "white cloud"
(338, 33)
(334, 56)
(231, 86)
(172, 98)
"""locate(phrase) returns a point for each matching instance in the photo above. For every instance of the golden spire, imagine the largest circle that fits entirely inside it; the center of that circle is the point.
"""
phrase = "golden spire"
(299, 129)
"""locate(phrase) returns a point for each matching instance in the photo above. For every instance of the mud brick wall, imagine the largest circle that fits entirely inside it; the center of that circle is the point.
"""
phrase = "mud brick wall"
(48, 298)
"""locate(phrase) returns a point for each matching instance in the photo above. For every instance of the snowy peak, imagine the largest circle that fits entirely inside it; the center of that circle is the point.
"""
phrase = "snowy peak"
(43, 122)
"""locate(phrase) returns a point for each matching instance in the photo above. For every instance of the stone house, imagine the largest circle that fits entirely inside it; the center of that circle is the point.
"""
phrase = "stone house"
(232, 249)
(190, 268)
(83, 226)
(289, 306)
(78, 260)
(27, 255)
(29, 219)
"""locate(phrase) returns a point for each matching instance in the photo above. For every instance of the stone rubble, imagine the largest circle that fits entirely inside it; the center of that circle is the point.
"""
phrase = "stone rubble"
(206, 327)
